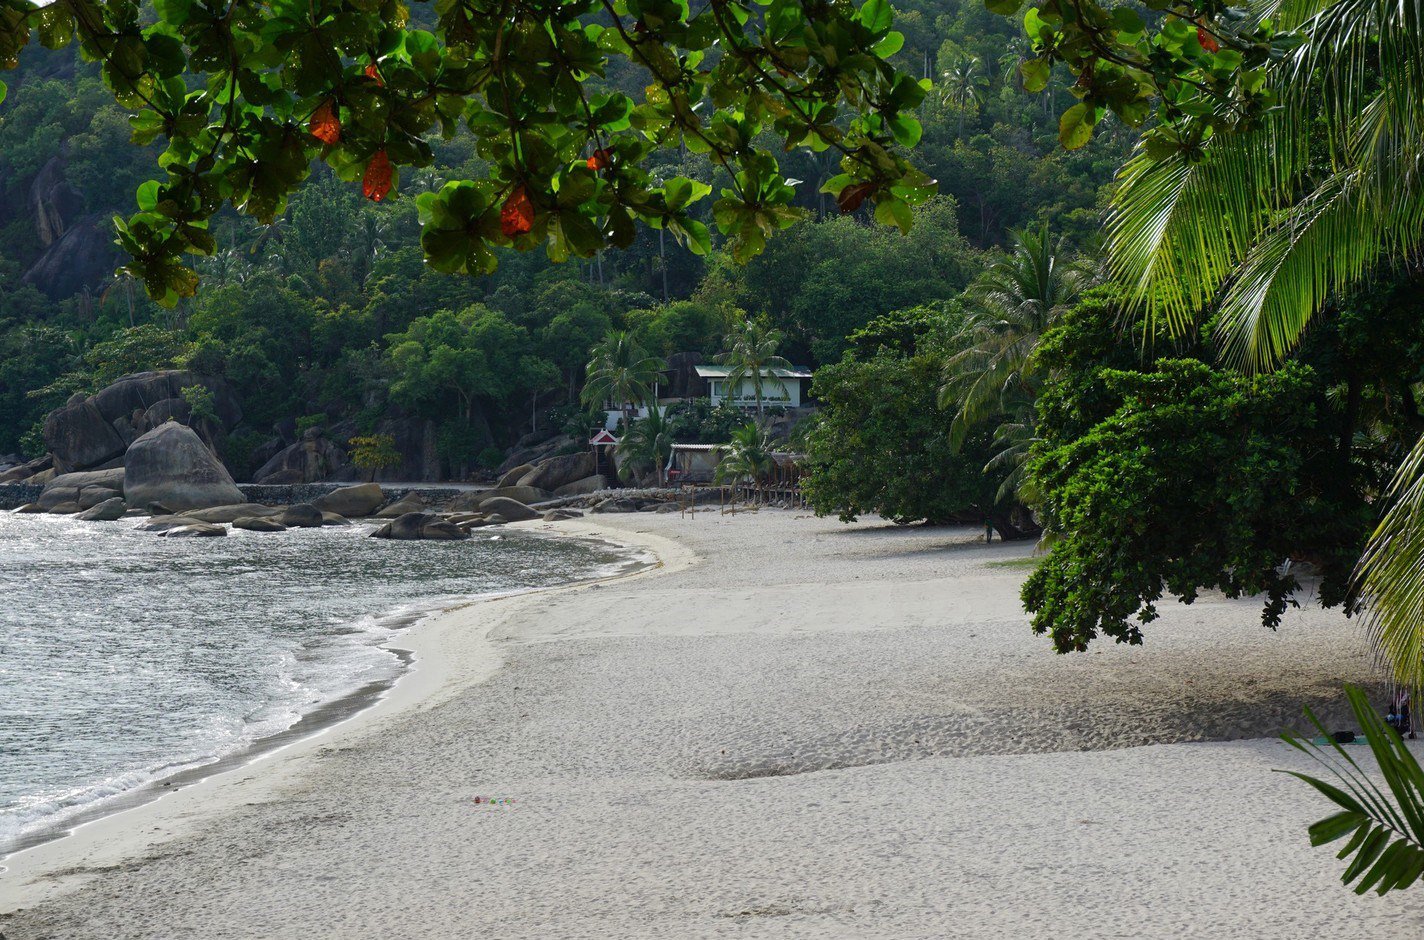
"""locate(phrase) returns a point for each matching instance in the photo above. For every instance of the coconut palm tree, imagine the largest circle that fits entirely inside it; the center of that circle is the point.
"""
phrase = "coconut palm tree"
(646, 444)
(962, 85)
(748, 457)
(751, 356)
(1010, 305)
(1264, 225)
(620, 371)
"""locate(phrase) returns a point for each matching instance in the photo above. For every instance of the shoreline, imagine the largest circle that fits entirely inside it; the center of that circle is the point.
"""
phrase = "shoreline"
(107, 834)
(799, 729)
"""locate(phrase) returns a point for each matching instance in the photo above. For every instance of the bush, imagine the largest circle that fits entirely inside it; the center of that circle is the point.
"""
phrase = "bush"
(881, 445)
(696, 421)
(1173, 477)
(490, 457)
(307, 422)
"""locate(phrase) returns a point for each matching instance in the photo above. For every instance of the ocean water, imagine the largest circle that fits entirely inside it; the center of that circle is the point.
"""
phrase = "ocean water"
(126, 658)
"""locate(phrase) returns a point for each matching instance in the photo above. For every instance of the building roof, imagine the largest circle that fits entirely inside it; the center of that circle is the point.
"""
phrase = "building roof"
(699, 447)
(720, 372)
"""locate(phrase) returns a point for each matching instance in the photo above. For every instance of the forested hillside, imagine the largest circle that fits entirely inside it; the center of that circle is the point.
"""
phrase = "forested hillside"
(330, 318)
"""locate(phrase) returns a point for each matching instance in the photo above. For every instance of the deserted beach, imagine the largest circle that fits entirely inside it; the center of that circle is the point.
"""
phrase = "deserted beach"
(792, 728)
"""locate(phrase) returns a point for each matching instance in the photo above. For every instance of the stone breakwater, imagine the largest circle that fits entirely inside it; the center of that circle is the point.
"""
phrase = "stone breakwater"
(290, 495)
(15, 495)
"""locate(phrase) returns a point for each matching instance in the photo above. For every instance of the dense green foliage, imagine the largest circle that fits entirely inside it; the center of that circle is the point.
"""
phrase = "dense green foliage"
(1161, 474)
(881, 444)
(297, 314)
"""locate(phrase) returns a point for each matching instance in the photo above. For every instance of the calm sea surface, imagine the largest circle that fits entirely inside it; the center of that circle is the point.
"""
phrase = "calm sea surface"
(125, 657)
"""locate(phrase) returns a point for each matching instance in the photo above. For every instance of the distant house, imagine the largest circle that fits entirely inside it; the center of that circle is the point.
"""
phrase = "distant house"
(787, 388)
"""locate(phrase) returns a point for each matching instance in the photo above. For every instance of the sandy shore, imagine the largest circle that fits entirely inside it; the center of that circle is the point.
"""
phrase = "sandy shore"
(793, 728)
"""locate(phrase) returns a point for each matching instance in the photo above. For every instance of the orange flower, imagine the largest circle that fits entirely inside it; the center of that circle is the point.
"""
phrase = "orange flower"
(517, 215)
(600, 160)
(374, 75)
(377, 181)
(325, 126)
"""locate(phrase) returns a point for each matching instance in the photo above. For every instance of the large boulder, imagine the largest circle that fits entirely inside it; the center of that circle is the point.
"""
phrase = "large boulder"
(82, 258)
(107, 511)
(163, 523)
(510, 510)
(301, 516)
(171, 465)
(410, 502)
(333, 518)
(512, 477)
(353, 502)
(420, 525)
(27, 470)
(533, 448)
(219, 514)
(142, 391)
(258, 524)
(310, 460)
(72, 487)
(554, 472)
(583, 487)
(90, 432)
(91, 496)
(470, 501)
(79, 437)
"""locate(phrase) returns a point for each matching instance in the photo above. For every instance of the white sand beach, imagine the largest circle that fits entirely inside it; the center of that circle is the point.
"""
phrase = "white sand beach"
(792, 728)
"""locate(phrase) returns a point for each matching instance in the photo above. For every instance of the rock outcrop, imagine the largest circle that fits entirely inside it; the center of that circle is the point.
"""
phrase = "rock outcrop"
(27, 469)
(232, 513)
(92, 432)
(508, 509)
(468, 502)
(315, 457)
(583, 487)
(301, 516)
(172, 466)
(420, 525)
(108, 511)
(353, 502)
(258, 524)
(85, 489)
(410, 502)
(554, 472)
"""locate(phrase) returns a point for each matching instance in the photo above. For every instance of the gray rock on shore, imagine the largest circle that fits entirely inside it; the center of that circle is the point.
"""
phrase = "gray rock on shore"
(301, 516)
(420, 526)
(353, 502)
(511, 510)
(220, 514)
(258, 524)
(410, 502)
(591, 484)
(171, 465)
(108, 511)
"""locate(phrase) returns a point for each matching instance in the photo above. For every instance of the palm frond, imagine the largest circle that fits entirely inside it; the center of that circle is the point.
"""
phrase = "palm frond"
(1386, 831)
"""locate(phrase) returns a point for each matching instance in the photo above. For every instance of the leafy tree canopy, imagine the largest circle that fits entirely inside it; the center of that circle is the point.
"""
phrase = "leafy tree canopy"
(247, 94)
